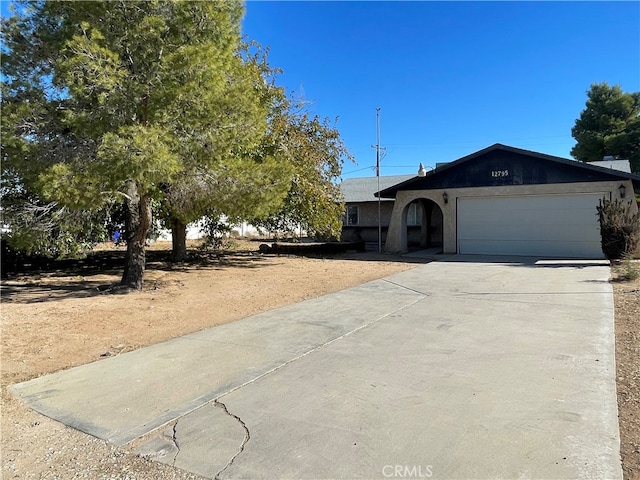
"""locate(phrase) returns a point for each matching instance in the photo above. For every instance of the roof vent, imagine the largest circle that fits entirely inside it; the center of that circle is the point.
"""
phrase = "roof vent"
(608, 158)
(422, 172)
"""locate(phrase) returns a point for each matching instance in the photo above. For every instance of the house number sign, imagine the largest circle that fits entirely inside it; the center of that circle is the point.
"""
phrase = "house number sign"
(499, 173)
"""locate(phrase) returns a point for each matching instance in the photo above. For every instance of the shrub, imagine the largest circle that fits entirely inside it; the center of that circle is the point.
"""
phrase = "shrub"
(619, 229)
(216, 233)
(630, 269)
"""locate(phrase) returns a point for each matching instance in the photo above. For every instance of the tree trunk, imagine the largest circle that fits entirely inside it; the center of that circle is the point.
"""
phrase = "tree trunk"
(179, 240)
(137, 224)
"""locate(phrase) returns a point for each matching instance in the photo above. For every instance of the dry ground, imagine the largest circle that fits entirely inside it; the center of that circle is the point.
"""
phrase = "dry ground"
(58, 320)
(627, 308)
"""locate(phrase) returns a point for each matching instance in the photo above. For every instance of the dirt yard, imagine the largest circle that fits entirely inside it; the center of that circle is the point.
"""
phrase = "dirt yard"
(627, 308)
(53, 321)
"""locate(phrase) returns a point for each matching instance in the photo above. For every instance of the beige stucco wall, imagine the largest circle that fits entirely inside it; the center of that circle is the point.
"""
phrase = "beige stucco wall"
(367, 227)
(396, 238)
(368, 213)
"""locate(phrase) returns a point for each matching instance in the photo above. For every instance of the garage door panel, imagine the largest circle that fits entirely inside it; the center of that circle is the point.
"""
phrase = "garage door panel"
(520, 248)
(552, 225)
(528, 233)
(531, 227)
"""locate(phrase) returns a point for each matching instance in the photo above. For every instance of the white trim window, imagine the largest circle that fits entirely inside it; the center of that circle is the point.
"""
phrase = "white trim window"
(352, 215)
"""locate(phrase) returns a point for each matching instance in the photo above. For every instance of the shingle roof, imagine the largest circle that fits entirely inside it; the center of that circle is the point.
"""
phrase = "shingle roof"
(364, 189)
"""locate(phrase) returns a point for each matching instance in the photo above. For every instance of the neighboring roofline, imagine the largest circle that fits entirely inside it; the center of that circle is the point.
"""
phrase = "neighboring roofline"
(391, 191)
(375, 200)
(388, 180)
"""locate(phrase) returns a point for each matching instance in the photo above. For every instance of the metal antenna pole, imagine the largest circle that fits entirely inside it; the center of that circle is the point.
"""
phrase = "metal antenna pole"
(378, 175)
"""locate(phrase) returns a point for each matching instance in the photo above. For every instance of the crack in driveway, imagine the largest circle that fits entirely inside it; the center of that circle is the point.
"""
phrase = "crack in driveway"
(174, 438)
(247, 434)
(247, 437)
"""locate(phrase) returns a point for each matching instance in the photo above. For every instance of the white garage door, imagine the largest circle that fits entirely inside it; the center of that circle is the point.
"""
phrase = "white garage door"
(549, 225)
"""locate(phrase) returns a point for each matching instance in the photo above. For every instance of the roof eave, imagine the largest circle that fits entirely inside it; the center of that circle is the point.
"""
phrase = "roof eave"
(620, 175)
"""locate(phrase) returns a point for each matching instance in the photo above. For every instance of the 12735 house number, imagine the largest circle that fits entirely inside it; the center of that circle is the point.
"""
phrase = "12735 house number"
(499, 173)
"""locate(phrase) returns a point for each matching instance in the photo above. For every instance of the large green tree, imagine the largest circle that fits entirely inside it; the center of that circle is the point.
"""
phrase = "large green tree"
(609, 125)
(123, 101)
(316, 152)
(253, 186)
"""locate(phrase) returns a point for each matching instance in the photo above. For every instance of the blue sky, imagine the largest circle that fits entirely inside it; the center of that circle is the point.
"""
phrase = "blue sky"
(450, 78)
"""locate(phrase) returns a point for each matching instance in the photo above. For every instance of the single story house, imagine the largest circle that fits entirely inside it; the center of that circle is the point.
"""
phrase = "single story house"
(508, 201)
(360, 222)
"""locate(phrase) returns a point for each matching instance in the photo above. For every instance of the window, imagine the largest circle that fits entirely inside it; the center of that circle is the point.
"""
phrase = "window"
(352, 215)
(414, 215)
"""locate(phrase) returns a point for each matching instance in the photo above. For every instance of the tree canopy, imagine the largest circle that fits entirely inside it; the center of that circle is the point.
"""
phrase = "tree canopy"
(253, 185)
(146, 102)
(608, 126)
(316, 153)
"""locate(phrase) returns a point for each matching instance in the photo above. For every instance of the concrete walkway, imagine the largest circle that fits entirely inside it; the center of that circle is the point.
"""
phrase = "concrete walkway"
(469, 367)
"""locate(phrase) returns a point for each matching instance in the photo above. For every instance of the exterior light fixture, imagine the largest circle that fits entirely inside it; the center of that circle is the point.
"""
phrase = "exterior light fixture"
(623, 190)
(422, 172)
(445, 197)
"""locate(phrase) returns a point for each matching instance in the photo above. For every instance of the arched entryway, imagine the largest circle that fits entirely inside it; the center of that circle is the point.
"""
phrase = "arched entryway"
(423, 221)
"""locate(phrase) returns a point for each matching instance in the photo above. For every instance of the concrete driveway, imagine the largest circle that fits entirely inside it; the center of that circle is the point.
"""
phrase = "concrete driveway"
(468, 367)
